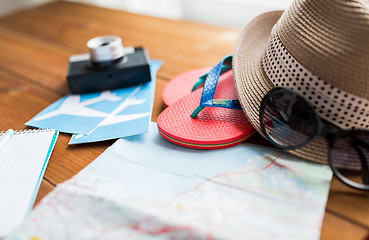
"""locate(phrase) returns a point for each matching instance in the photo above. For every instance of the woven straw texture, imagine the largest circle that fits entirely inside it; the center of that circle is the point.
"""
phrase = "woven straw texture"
(331, 39)
(251, 82)
(328, 37)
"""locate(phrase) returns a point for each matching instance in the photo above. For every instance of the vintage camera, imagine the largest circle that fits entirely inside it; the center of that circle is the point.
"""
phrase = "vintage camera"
(108, 65)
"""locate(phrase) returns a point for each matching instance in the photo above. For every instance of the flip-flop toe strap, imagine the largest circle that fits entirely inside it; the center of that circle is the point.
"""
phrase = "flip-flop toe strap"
(201, 80)
(211, 81)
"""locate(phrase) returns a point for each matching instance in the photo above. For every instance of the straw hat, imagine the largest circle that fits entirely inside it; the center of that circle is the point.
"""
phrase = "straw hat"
(319, 48)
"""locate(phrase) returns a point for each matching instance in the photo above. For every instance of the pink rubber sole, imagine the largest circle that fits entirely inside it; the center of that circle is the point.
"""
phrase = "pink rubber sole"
(214, 127)
(181, 85)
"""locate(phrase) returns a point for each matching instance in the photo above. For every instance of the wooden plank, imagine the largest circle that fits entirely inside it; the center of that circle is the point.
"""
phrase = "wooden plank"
(335, 228)
(349, 203)
(21, 100)
(159, 106)
(45, 188)
(182, 45)
(31, 58)
(33, 66)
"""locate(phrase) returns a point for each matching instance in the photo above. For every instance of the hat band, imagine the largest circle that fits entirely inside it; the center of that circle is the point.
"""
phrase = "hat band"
(343, 109)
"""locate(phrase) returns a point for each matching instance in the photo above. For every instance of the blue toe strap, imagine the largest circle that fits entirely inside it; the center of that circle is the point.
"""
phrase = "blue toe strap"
(201, 80)
(211, 81)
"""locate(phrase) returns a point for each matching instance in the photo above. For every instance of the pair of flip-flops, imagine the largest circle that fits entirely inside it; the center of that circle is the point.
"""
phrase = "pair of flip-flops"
(204, 118)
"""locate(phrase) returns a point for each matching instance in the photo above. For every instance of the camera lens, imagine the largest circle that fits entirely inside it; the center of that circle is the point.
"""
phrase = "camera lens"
(105, 50)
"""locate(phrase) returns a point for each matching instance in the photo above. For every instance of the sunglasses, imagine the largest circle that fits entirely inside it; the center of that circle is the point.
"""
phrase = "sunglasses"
(289, 122)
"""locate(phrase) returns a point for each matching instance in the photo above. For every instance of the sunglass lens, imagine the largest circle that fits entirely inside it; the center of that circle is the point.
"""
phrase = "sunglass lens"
(349, 159)
(287, 119)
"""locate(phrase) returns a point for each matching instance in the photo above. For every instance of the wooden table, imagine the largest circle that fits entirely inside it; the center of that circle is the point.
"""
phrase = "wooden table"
(35, 46)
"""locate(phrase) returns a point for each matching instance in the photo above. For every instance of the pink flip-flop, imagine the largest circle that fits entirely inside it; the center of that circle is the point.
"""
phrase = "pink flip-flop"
(182, 85)
(216, 123)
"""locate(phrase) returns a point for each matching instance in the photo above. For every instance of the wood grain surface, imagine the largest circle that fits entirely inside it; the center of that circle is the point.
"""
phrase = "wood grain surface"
(35, 45)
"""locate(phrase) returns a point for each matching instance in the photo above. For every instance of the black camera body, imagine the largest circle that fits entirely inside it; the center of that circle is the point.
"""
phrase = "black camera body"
(88, 73)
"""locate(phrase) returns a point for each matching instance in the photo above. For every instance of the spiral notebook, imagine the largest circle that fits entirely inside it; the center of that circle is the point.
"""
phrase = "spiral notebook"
(23, 161)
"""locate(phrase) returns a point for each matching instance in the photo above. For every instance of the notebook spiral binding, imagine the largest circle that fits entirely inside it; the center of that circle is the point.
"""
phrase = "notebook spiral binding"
(26, 131)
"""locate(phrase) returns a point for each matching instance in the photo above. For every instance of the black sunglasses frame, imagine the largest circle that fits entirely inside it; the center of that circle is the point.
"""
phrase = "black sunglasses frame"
(325, 129)
(309, 109)
(338, 174)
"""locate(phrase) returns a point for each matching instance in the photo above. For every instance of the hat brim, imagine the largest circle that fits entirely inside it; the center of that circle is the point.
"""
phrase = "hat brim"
(252, 83)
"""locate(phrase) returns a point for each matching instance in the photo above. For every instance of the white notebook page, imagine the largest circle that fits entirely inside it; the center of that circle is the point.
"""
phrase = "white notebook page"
(22, 165)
